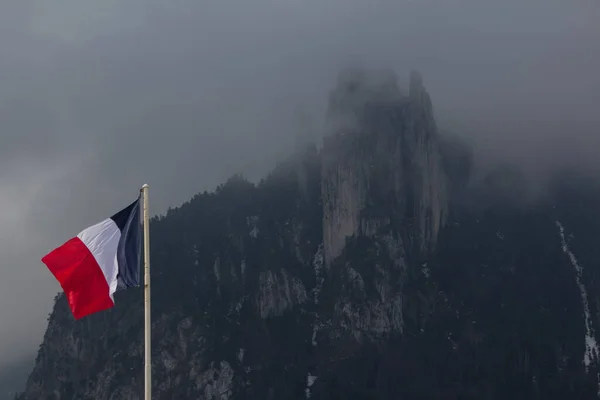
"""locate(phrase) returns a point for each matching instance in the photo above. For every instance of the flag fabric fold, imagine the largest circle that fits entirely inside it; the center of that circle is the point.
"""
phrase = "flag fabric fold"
(100, 260)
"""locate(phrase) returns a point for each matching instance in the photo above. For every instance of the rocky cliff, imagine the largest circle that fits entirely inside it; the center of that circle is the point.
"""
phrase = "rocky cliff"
(381, 163)
(352, 272)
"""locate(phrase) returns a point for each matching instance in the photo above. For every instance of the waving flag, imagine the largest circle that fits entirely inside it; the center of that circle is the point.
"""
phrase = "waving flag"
(100, 260)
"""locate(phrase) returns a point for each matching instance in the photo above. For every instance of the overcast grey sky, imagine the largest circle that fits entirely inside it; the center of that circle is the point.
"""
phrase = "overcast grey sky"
(101, 96)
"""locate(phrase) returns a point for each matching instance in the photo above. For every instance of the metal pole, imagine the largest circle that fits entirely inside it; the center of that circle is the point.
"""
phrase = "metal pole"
(147, 324)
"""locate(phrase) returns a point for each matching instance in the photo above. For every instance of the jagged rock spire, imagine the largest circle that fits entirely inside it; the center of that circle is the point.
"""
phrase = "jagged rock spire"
(382, 167)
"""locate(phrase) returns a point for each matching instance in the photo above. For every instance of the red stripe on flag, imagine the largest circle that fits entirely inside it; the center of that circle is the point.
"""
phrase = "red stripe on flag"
(81, 278)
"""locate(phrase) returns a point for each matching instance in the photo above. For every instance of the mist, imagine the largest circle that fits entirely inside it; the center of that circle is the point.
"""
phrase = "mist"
(101, 97)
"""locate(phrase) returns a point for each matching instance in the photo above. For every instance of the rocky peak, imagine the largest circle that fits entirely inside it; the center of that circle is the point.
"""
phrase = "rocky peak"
(382, 146)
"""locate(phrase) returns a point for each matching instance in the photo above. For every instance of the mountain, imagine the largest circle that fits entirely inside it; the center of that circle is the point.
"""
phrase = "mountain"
(375, 267)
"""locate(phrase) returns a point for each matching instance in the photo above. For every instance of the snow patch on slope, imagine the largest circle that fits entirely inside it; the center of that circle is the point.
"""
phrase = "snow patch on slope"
(591, 346)
(310, 380)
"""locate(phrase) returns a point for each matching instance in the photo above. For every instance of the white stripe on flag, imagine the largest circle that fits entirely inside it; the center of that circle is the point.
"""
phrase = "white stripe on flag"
(102, 240)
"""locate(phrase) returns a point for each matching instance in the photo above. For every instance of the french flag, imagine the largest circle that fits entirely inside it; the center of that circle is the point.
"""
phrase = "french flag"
(100, 260)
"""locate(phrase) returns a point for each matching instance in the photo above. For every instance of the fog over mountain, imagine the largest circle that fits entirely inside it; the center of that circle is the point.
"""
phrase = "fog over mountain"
(98, 98)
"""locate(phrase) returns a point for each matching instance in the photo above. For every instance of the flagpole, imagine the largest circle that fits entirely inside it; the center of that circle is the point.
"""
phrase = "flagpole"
(147, 325)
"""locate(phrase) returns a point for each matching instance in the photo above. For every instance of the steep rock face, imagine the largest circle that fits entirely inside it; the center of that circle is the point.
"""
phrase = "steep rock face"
(257, 294)
(381, 163)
